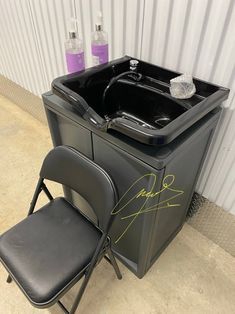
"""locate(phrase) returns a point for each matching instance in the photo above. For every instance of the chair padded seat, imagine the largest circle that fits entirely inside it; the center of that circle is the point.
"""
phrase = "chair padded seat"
(48, 249)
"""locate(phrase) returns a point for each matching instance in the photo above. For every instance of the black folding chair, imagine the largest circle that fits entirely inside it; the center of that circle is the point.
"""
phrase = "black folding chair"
(54, 247)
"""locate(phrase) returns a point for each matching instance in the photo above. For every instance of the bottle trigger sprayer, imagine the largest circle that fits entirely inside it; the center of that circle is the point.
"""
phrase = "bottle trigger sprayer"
(99, 42)
(74, 49)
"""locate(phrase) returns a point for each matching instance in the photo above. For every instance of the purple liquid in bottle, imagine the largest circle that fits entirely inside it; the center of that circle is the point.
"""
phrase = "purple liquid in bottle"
(75, 61)
(100, 53)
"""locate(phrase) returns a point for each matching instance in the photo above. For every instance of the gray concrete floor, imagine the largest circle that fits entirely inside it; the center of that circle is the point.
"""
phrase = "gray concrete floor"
(193, 275)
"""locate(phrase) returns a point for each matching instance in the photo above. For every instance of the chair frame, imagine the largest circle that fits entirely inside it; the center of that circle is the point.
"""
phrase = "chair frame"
(103, 248)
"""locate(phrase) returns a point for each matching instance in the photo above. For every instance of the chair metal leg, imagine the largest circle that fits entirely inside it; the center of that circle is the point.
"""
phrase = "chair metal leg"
(79, 295)
(114, 263)
(61, 305)
(9, 279)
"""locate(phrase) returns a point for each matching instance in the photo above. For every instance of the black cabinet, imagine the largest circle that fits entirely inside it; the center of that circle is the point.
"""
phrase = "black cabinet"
(155, 184)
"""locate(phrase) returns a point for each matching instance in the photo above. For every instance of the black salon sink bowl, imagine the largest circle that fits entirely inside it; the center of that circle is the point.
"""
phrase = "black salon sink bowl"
(136, 103)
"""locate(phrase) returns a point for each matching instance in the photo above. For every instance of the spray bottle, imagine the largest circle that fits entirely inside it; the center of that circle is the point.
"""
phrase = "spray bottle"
(74, 49)
(99, 43)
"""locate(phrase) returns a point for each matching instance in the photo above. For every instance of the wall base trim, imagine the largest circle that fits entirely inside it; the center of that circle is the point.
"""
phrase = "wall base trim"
(213, 222)
(23, 98)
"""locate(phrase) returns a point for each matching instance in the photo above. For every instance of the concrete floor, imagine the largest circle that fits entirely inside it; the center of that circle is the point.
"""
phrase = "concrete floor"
(193, 275)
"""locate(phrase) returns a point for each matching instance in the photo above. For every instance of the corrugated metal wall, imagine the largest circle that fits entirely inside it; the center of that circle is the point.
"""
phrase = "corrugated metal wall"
(197, 36)
(33, 32)
(194, 36)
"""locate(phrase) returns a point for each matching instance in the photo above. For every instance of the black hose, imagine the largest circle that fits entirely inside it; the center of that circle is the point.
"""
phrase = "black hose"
(131, 74)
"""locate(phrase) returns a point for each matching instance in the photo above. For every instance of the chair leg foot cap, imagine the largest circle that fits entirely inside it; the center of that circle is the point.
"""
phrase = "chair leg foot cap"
(9, 279)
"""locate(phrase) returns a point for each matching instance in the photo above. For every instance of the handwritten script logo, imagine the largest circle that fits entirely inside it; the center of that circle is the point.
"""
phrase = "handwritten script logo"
(145, 195)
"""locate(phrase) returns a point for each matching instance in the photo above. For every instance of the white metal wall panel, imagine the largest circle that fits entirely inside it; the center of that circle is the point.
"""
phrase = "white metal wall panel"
(33, 35)
(50, 23)
(197, 36)
(18, 46)
(123, 20)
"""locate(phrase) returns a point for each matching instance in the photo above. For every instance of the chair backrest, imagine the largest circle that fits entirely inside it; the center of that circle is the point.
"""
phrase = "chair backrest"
(69, 167)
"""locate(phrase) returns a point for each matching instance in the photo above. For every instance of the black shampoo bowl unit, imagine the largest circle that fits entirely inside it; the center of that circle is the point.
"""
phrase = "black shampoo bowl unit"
(136, 103)
(152, 145)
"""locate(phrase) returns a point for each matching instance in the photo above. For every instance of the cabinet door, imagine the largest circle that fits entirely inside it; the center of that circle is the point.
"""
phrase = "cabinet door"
(133, 226)
(181, 173)
(65, 131)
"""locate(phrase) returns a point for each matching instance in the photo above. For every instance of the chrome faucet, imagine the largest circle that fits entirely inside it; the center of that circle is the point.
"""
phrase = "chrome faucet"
(131, 74)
